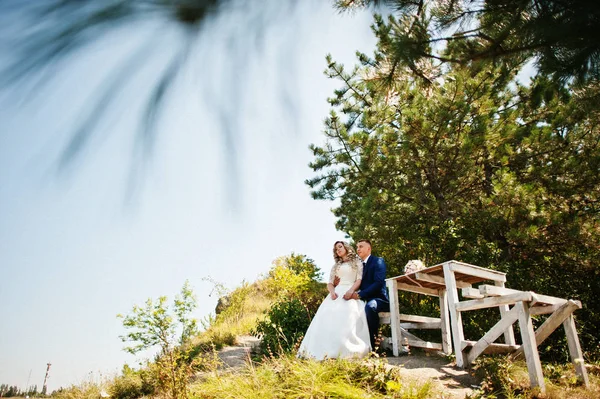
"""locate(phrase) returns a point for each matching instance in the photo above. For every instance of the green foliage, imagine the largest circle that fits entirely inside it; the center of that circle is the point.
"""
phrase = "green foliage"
(560, 36)
(7, 391)
(244, 307)
(290, 275)
(286, 377)
(292, 284)
(283, 328)
(502, 378)
(132, 384)
(154, 325)
(86, 390)
(471, 166)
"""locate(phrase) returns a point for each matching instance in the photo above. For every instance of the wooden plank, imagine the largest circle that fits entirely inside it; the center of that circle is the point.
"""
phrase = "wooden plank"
(575, 349)
(413, 340)
(493, 348)
(541, 309)
(493, 290)
(506, 321)
(424, 344)
(477, 271)
(392, 286)
(416, 289)
(538, 310)
(438, 280)
(421, 326)
(551, 324)
(418, 319)
(455, 316)
(445, 323)
(532, 358)
(472, 293)
(493, 301)
(549, 300)
(509, 334)
(490, 290)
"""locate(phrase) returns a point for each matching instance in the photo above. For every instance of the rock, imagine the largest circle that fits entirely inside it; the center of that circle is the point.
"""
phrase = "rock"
(222, 304)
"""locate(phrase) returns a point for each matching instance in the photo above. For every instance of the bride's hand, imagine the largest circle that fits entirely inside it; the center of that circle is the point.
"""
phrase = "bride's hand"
(348, 295)
(334, 296)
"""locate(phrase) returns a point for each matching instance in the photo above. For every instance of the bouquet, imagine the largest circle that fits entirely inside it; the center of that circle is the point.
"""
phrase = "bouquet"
(413, 266)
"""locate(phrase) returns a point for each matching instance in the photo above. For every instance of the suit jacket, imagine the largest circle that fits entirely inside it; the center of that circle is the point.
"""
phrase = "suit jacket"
(373, 279)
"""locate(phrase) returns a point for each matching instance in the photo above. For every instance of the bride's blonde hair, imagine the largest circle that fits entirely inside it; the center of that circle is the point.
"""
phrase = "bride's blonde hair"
(350, 252)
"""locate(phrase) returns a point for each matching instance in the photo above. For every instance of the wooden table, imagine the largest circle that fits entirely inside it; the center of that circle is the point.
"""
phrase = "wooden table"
(444, 280)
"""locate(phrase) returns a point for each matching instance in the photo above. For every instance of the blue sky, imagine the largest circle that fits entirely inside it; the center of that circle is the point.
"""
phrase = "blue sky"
(76, 248)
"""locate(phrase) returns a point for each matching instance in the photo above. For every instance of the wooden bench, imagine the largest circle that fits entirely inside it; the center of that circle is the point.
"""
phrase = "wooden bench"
(412, 322)
(444, 281)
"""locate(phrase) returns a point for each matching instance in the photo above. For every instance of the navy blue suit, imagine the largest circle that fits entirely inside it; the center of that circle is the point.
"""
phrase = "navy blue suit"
(373, 291)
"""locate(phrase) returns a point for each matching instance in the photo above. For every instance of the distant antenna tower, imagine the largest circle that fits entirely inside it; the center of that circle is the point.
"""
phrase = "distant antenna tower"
(46, 379)
(28, 378)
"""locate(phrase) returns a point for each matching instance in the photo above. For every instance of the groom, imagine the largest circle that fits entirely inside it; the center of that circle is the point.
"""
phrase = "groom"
(372, 287)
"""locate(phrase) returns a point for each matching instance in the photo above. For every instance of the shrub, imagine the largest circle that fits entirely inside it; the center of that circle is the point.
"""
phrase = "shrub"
(86, 390)
(170, 329)
(503, 378)
(284, 326)
(131, 384)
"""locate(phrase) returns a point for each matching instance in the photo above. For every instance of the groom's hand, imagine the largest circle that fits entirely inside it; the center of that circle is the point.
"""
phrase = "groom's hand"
(336, 281)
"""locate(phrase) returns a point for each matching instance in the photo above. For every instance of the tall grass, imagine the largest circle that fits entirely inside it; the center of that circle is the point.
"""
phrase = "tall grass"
(288, 377)
(503, 378)
(247, 306)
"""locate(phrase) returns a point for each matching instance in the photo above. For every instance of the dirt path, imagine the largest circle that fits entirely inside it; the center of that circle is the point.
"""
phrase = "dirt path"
(449, 382)
(237, 356)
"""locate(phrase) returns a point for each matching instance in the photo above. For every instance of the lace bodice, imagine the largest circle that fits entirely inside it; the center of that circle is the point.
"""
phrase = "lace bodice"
(348, 272)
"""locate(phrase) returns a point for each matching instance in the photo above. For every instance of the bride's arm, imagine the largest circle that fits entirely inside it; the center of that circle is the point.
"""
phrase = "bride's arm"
(331, 290)
(356, 285)
(352, 290)
(330, 286)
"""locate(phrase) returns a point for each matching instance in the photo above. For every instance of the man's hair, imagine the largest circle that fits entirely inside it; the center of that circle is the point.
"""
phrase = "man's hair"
(365, 240)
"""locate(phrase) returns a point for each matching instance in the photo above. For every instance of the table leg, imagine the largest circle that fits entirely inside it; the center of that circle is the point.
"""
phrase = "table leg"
(509, 334)
(392, 286)
(455, 316)
(445, 323)
(534, 366)
(575, 349)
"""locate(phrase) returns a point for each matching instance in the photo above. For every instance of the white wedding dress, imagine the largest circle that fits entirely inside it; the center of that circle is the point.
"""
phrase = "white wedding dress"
(339, 328)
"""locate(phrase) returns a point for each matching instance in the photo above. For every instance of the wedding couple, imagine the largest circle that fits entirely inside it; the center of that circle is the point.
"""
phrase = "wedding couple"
(347, 321)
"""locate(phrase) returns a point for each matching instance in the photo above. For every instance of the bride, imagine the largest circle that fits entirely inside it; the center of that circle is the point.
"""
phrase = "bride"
(339, 328)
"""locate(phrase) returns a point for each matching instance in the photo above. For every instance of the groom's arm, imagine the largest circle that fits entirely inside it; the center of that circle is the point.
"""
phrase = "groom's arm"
(374, 288)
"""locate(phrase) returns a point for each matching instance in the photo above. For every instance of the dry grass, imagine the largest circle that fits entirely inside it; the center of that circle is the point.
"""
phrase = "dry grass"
(505, 379)
(288, 377)
(247, 307)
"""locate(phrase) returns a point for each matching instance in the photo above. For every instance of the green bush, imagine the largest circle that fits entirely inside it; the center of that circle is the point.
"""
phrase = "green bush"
(86, 390)
(502, 378)
(131, 384)
(284, 326)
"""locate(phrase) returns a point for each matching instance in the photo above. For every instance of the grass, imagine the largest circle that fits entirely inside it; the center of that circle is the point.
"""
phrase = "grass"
(248, 305)
(288, 377)
(509, 379)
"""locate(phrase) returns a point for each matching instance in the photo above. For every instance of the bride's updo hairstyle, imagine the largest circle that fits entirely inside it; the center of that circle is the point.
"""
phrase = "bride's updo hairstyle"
(351, 253)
